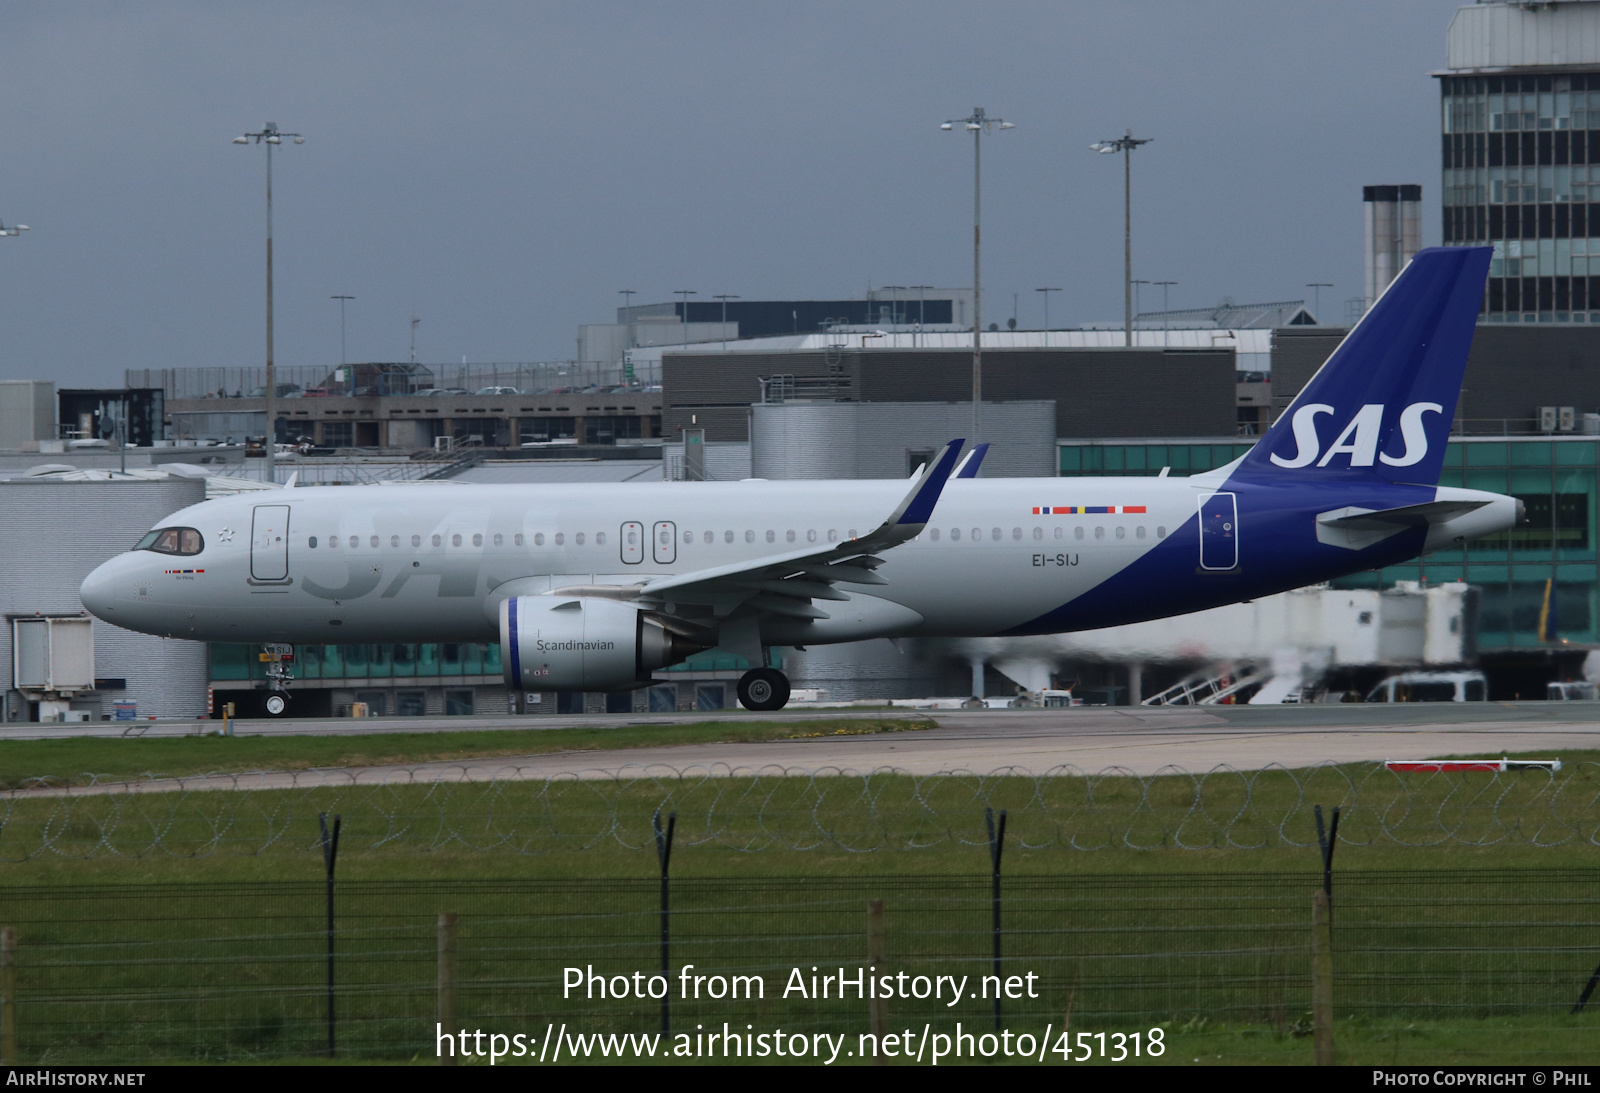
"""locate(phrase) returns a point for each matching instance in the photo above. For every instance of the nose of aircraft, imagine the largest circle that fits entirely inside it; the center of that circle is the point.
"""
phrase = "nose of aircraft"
(99, 592)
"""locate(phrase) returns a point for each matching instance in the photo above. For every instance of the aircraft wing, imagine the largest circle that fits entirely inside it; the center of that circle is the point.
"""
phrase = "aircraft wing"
(786, 584)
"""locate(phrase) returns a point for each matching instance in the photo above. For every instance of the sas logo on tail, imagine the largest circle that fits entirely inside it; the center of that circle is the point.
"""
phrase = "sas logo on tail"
(1359, 440)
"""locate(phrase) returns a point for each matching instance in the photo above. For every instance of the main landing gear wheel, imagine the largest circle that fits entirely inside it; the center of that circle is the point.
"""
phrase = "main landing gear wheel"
(763, 689)
(276, 704)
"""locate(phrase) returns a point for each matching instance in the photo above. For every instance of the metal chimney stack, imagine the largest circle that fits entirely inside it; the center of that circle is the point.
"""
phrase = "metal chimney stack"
(1392, 222)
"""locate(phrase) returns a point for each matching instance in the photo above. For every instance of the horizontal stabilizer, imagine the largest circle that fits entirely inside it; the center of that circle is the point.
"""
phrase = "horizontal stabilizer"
(1355, 528)
(1406, 516)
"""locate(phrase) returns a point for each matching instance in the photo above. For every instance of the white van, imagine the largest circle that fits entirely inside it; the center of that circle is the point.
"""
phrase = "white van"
(1432, 687)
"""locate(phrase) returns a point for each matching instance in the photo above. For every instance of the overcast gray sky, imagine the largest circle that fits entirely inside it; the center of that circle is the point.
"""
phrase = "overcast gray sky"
(505, 168)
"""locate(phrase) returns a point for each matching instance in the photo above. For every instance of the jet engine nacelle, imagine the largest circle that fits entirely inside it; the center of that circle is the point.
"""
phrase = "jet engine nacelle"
(567, 643)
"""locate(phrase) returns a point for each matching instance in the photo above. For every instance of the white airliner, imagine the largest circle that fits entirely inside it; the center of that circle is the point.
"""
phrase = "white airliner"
(593, 588)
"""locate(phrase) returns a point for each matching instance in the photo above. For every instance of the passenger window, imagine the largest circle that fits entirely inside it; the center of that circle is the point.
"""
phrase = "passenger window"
(789, 535)
(416, 540)
(538, 538)
(374, 541)
(1038, 533)
(312, 542)
(578, 539)
(1122, 532)
(994, 533)
(955, 535)
(477, 540)
(749, 536)
(1060, 532)
(688, 536)
(933, 533)
(1161, 533)
(355, 541)
(516, 540)
(333, 541)
(851, 533)
(811, 535)
(1138, 532)
(833, 536)
(394, 540)
(1016, 533)
(710, 537)
(438, 540)
(727, 537)
(1099, 533)
(498, 538)
(977, 535)
(772, 536)
(1077, 532)
(561, 538)
(455, 540)
(600, 538)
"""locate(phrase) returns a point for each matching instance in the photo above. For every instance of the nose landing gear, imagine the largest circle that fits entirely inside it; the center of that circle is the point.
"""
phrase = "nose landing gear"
(763, 689)
(278, 678)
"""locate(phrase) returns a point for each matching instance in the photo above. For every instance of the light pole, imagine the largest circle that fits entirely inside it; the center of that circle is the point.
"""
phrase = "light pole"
(270, 135)
(1047, 292)
(1125, 144)
(977, 123)
(895, 316)
(1317, 287)
(685, 293)
(341, 299)
(1164, 309)
(922, 311)
(724, 298)
(627, 295)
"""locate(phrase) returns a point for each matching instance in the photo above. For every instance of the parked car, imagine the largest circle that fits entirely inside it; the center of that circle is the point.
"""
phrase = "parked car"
(498, 391)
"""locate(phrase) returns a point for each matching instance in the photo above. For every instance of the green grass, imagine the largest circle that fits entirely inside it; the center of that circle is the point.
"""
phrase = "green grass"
(80, 760)
(825, 825)
(1432, 967)
(187, 926)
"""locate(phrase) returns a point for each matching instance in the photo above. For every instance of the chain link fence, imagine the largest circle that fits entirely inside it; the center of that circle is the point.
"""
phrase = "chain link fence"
(147, 973)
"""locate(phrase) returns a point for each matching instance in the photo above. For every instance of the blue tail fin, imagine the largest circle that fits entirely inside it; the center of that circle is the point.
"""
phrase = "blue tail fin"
(1381, 407)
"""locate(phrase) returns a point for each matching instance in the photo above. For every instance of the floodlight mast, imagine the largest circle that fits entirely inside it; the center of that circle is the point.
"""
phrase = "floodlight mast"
(977, 123)
(270, 135)
(1125, 144)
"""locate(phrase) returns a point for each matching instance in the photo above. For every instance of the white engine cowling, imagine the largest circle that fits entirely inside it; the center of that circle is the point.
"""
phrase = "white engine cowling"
(566, 643)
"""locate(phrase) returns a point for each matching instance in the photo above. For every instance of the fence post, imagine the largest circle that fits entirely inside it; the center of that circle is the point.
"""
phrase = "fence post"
(447, 980)
(330, 855)
(664, 857)
(997, 839)
(1583, 999)
(8, 996)
(1326, 841)
(877, 1008)
(1321, 980)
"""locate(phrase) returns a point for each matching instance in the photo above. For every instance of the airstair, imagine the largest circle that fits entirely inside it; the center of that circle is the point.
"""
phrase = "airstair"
(1209, 690)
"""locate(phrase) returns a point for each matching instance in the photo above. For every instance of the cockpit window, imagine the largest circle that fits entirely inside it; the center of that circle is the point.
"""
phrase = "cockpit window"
(172, 541)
